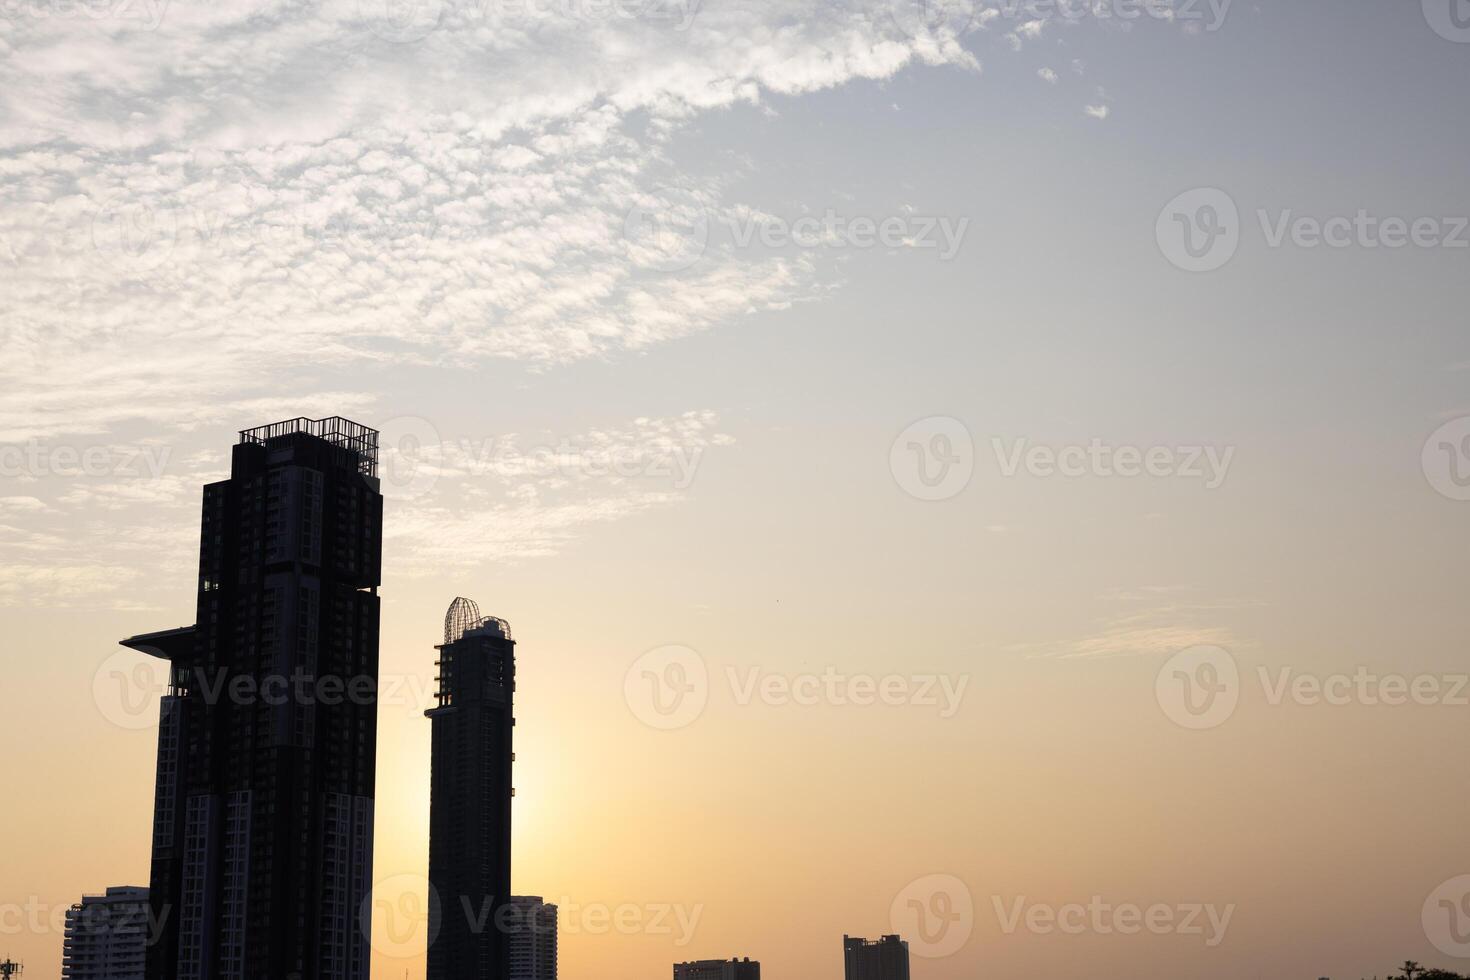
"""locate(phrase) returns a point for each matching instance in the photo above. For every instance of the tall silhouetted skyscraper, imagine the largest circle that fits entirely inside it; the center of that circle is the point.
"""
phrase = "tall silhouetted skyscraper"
(263, 815)
(470, 788)
(532, 939)
(881, 959)
(106, 936)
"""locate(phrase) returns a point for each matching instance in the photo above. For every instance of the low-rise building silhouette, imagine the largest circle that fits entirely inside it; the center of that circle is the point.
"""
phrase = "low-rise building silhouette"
(881, 959)
(532, 939)
(107, 936)
(746, 969)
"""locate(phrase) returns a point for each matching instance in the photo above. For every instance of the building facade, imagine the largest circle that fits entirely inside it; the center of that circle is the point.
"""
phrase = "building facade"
(734, 969)
(267, 746)
(470, 797)
(107, 936)
(881, 959)
(532, 930)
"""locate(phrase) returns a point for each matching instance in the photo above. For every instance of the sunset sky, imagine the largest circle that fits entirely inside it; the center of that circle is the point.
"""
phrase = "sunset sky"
(785, 354)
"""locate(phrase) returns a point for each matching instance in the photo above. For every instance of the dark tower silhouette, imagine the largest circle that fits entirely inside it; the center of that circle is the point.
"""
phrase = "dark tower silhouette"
(470, 794)
(263, 814)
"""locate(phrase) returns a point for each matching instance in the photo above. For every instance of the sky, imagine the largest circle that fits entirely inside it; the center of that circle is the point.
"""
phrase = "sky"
(996, 472)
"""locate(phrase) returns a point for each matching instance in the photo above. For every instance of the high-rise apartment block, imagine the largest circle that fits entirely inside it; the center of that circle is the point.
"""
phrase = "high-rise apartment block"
(263, 810)
(470, 797)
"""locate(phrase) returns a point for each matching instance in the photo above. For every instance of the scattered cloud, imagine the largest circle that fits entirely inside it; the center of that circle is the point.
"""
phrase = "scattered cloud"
(1151, 620)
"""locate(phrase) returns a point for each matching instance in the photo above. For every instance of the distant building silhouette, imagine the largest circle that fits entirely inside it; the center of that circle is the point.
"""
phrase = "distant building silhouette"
(106, 936)
(470, 794)
(532, 932)
(746, 969)
(881, 959)
(263, 813)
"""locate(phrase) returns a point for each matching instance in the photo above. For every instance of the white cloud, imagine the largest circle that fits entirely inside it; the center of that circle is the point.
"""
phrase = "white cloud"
(217, 211)
(475, 498)
(1152, 620)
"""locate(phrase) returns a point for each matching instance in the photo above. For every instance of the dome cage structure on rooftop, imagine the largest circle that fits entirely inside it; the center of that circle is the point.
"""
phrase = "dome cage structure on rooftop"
(464, 617)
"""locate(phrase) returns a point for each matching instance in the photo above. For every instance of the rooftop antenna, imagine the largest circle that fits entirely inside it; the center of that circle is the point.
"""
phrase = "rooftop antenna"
(10, 968)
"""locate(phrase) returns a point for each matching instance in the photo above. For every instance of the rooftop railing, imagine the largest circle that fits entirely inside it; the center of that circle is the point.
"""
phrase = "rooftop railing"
(357, 439)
